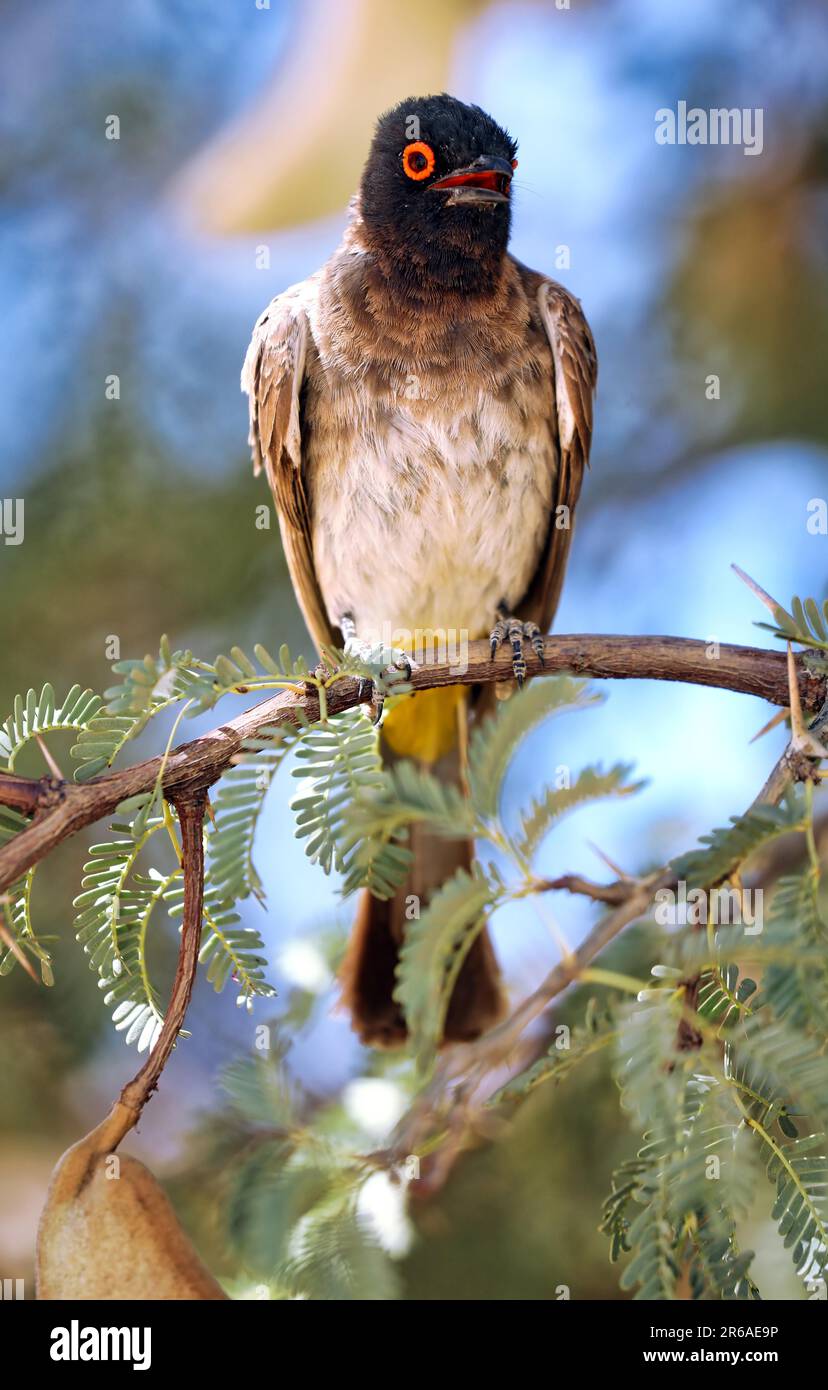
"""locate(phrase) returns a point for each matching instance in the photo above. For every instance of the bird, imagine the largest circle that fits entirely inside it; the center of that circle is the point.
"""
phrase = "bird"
(422, 407)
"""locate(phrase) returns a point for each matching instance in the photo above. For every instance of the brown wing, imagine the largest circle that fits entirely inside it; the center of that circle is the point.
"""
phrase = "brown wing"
(576, 372)
(272, 378)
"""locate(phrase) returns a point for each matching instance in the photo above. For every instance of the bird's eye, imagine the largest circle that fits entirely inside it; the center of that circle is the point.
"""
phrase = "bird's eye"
(418, 160)
(514, 164)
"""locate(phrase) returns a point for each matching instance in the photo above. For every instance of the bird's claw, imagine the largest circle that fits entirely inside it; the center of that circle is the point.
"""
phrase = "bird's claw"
(367, 695)
(392, 660)
(515, 631)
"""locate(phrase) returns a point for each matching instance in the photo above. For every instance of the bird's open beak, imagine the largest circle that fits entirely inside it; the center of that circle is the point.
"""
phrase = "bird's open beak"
(487, 180)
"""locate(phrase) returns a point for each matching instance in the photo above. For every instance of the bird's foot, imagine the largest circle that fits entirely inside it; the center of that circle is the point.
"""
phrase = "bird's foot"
(513, 630)
(383, 668)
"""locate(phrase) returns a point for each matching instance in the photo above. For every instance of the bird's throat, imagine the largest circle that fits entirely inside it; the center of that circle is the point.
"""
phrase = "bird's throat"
(452, 266)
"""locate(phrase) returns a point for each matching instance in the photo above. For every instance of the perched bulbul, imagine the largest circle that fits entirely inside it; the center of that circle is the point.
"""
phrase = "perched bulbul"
(422, 407)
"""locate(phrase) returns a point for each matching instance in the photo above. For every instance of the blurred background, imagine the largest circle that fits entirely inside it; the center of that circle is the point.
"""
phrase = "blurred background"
(241, 130)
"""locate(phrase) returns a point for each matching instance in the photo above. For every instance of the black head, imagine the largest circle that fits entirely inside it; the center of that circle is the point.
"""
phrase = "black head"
(435, 195)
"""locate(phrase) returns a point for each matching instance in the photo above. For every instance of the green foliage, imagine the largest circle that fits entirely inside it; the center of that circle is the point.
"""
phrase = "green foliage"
(147, 687)
(238, 670)
(229, 950)
(722, 998)
(691, 1180)
(204, 683)
(591, 784)
(649, 1070)
(337, 1260)
(272, 1193)
(100, 743)
(716, 1112)
(716, 1077)
(276, 1182)
(293, 1209)
(113, 915)
(155, 683)
(376, 825)
(719, 1269)
(38, 715)
(565, 1054)
(494, 744)
(207, 683)
(339, 763)
(434, 949)
(18, 913)
(782, 1065)
(259, 1093)
(148, 683)
(408, 795)
(618, 1212)
(118, 899)
(711, 1172)
(797, 988)
(806, 623)
(22, 928)
(237, 807)
(727, 849)
(654, 1266)
(799, 1172)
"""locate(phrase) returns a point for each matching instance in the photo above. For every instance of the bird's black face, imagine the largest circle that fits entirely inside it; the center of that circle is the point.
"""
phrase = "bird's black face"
(435, 194)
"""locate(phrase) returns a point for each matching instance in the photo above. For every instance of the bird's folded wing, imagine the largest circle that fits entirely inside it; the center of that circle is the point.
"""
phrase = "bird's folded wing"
(272, 378)
(576, 372)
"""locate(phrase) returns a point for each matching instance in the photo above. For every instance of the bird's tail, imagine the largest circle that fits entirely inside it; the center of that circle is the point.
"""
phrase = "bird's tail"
(368, 971)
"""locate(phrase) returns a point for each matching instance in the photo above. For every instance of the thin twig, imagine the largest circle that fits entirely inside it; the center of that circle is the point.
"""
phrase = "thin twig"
(49, 758)
(612, 893)
(126, 1111)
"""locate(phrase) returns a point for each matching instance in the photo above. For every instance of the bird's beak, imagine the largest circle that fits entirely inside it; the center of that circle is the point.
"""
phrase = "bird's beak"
(487, 180)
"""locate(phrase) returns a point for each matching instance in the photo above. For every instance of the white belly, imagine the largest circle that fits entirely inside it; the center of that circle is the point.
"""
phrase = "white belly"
(427, 520)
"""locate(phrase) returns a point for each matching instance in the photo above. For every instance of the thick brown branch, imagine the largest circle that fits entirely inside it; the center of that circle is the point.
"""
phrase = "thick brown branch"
(26, 795)
(62, 809)
(749, 670)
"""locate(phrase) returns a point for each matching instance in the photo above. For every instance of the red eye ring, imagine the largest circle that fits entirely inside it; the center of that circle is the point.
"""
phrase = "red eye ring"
(418, 147)
(514, 164)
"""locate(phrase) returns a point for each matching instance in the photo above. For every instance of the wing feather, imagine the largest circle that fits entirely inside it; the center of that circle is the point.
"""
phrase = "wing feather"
(272, 377)
(576, 373)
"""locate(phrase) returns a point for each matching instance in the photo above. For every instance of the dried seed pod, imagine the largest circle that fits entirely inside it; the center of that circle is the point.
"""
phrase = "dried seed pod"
(109, 1232)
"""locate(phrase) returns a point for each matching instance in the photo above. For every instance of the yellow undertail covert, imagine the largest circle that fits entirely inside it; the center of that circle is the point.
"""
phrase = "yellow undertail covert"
(425, 725)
